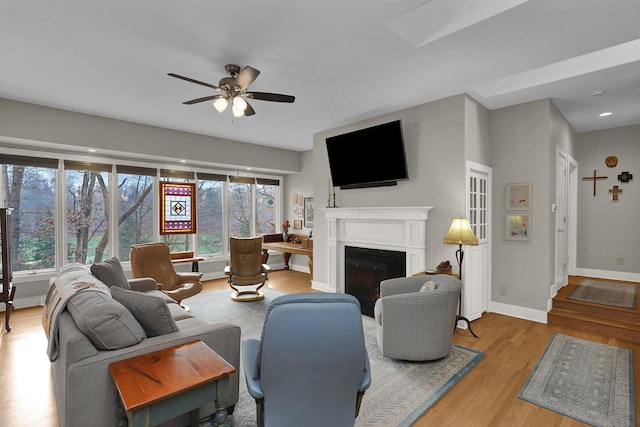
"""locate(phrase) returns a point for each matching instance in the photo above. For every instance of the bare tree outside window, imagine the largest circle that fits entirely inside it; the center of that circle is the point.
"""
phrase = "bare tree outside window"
(87, 216)
(30, 192)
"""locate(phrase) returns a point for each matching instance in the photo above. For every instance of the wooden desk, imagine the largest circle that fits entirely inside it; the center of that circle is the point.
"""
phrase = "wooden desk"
(287, 248)
(158, 386)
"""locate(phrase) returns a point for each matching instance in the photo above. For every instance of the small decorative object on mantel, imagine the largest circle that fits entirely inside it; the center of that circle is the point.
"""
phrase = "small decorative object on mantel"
(444, 268)
(611, 161)
(595, 177)
(615, 191)
(625, 176)
(331, 200)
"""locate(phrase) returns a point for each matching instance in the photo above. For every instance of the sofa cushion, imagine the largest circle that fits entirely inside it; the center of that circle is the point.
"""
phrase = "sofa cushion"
(151, 311)
(110, 273)
(106, 322)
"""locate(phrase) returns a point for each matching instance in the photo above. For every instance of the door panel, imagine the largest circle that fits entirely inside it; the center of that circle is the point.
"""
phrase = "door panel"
(477, 265)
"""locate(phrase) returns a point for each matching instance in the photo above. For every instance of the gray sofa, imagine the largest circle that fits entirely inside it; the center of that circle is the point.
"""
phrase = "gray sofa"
(85, 392)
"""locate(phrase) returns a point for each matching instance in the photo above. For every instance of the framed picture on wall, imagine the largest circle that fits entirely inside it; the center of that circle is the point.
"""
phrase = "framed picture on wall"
(308, 212)
(518, 227)
(519, 196)
(297, 224)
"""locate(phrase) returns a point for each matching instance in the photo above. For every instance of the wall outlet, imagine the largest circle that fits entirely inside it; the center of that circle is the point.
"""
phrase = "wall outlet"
(503, 291)
(620, 260)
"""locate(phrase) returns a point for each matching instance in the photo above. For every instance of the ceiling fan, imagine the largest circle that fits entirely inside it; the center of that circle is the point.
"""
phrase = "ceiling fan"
(234, 90)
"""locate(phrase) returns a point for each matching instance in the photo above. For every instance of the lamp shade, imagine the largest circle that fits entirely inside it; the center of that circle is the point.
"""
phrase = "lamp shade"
(460, 233)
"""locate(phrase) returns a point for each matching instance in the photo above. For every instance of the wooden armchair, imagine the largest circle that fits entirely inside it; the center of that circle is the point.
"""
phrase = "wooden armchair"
(246, 268)
(154, 260)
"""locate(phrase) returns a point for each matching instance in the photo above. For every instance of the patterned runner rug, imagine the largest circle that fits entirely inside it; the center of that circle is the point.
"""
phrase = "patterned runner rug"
(588, 381)
(400, 392)
(624, 295)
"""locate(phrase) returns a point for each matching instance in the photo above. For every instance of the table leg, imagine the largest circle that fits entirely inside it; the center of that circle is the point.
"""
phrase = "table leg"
(286, 256)
(222, 395)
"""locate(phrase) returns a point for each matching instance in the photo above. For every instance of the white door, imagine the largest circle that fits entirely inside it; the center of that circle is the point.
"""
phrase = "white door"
(477, 265)
(565, 219)
(560, 209)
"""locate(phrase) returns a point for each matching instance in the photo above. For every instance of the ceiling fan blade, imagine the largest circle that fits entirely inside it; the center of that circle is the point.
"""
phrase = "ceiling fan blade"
(203, 99)
(275, 97)
(246, 76)
(249, 111)
(193, 81)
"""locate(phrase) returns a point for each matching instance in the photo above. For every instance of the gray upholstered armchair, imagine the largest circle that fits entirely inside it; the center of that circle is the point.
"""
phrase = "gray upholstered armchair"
(311, 367)
(413, 324)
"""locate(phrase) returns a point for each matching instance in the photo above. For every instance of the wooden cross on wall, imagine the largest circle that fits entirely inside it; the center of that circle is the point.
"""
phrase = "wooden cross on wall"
(595, 177)
(615, 191)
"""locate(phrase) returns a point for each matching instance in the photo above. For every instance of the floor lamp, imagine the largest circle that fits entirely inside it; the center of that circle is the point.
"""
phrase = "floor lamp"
(460, 233)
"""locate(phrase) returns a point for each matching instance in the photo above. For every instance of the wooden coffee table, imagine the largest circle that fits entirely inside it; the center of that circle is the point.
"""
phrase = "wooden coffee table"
(158, 386)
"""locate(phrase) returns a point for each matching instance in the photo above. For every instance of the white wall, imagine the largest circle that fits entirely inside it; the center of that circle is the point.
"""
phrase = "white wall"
(608, 230)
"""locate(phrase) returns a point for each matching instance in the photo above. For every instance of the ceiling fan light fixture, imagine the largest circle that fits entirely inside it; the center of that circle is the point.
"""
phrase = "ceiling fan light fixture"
(239, 103)
(220, 104)
(237, 112)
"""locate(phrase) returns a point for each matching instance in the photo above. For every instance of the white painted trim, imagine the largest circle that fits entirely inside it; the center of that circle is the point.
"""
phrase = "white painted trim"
(607, 274)
(519, 312)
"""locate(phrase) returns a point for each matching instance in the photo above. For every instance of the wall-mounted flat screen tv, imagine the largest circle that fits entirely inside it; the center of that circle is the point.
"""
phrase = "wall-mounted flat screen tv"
(371, 157)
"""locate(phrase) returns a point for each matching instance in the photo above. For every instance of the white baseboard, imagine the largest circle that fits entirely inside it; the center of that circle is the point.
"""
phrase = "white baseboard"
(525, 313)
(607, 274)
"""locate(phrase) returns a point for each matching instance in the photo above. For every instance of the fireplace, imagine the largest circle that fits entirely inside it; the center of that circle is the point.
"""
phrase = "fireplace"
(400, 229)
(365, 268)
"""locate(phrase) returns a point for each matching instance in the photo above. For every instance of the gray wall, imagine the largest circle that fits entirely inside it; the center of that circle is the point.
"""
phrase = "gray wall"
(437, 137)
(51, 125)
(607, 229)
(524, 139)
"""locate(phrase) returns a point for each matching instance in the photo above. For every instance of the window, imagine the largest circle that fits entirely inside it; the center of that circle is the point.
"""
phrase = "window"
(266, 205)
(135, 207)
(177, 242)
(28, 186)
(99, 210)
(87, 199)
(240, 206)
(210, 218)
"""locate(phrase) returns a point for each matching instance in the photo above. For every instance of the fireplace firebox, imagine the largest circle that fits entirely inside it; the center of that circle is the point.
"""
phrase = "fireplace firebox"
(365, 268)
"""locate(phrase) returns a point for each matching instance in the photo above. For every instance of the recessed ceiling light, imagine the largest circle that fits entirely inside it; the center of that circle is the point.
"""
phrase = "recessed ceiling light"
(597, 93)
(91, 150)
(183, 161)
(606, 113)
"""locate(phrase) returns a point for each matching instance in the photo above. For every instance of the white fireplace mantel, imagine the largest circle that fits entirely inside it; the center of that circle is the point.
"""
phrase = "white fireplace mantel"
(390, 228)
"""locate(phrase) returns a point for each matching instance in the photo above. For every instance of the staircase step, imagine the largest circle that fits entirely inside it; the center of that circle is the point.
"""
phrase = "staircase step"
(628, 331)
(598, 310)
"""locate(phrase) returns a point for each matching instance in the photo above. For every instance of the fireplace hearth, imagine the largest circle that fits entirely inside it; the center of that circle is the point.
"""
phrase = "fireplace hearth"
(365, 268)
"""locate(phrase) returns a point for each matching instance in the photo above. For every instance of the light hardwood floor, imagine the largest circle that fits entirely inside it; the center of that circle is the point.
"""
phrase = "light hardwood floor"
(486, 396)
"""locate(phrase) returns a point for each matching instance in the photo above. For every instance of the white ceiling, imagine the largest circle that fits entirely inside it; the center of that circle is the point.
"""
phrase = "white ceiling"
(344, 61)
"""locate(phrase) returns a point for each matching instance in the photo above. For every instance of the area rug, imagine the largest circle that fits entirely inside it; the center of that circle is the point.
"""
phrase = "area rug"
(585, 380)
(624, 295)
(400, 392)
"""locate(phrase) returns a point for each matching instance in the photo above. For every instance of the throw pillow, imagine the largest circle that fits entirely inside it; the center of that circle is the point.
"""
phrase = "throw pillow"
(104, 321)
(110, 273)
(428, 286)
(151, 311)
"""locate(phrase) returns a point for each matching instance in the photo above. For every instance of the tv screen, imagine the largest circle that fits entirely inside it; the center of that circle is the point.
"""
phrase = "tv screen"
(370, 157)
